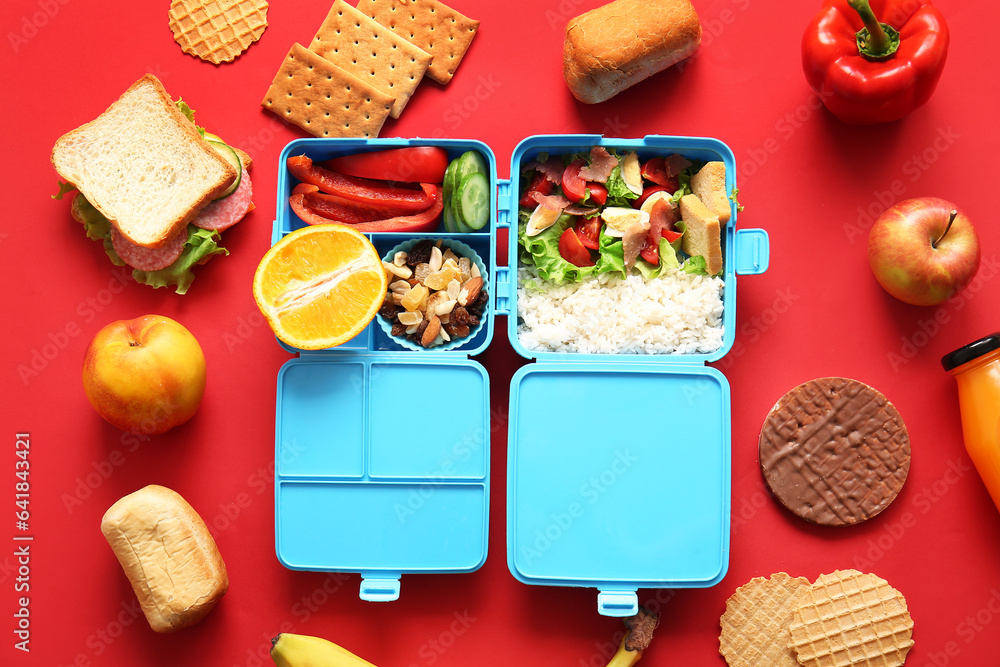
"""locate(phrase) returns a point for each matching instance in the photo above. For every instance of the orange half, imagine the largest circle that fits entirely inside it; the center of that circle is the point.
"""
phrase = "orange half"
(320, 286)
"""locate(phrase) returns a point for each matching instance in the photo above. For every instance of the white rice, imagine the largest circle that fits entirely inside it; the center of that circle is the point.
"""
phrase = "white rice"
(677, 313)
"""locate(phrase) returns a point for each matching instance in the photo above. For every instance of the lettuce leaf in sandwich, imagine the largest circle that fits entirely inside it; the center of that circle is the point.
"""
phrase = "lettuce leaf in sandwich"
(201, 244)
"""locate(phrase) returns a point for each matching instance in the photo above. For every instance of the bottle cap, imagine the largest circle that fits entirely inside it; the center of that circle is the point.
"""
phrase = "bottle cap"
(971, 351)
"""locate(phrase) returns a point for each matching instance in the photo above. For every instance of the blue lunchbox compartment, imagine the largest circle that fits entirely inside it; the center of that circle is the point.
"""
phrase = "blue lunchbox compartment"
(590, 501)
(357, 487)
(630, 508)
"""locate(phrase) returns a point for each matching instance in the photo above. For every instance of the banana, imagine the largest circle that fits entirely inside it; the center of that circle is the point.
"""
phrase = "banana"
(636, 640)
(288, 650)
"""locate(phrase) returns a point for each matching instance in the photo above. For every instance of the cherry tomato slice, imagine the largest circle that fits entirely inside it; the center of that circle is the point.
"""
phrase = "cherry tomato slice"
(589, 232)
(655, 171)
(540, 184)
(410, 164)
(598, 193)
(574, 187)
(659, 227)
(650, 253)
(572, 250)
(647, 191)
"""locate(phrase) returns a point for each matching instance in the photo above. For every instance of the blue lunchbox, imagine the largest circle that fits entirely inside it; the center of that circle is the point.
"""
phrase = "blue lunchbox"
(594, 497)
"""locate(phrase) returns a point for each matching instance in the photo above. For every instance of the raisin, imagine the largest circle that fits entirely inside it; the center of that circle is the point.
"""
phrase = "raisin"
(418, 334)
(388, 310)
(473, 321)
(460, 315)
(420, 253)
(398, 329)
(481, 299)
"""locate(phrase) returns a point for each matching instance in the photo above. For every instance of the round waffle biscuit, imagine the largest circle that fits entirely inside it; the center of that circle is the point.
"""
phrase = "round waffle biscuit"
(217, 30)
(834, 451)
(850, 618)
(755, 623)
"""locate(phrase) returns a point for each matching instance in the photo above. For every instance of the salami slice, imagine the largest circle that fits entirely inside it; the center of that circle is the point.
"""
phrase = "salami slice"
(224, 213)
(149, 259)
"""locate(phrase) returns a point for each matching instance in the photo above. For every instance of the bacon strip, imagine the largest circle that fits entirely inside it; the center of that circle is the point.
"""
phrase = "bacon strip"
(676, 164)
(551, 168)
(554, 202)
(602, 163)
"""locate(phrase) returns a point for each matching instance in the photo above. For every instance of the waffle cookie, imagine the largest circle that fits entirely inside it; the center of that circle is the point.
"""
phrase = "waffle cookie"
(755, 624)
(850, 618)
(834, 451)
(217, 30)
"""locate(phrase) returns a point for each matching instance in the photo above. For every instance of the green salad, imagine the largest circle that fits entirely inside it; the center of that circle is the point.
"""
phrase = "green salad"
(606, 212)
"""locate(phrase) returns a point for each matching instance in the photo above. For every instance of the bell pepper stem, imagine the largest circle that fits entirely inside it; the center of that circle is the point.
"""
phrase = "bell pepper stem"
(876, 41)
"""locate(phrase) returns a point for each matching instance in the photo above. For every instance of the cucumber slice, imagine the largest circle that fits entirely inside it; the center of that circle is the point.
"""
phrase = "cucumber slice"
(472, 201)
(447, 189)
(471, 162)
(450, 221)
(230, 156)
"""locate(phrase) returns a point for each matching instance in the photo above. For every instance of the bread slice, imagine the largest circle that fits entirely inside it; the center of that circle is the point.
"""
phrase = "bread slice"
(710, 186)
(143, 165)
(701, 233)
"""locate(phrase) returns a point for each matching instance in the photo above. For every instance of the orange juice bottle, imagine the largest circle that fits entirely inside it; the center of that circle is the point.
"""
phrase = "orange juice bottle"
(976, 367)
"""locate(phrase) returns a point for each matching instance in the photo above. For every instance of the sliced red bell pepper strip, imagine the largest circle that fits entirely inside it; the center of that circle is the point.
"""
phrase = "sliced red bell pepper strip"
(410, 164)
(340, 209)
(361, 190)
(304, 202)
(874, 66)
(425, 221)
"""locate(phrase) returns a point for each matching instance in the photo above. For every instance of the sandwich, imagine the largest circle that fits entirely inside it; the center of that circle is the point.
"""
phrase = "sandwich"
(155, 188)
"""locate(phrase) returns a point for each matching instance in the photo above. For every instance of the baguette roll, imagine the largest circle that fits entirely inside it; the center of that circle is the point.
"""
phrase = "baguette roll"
(613, 47)
(168, 555)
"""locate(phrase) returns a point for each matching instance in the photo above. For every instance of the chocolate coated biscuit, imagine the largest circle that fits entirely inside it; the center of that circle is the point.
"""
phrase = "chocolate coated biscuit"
(834, 451)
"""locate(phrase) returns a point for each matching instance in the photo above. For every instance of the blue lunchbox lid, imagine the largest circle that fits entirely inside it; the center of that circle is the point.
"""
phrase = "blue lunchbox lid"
(361, 483)
(637, 502)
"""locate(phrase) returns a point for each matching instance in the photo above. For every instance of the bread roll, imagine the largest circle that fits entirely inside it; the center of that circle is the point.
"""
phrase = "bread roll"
(168, 555)
(619, 44)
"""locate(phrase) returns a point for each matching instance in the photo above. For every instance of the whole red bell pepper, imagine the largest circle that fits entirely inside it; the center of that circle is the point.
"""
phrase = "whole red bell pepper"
(877, 62)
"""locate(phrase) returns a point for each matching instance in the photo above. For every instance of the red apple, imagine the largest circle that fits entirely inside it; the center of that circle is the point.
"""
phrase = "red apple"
(145, 375)
(923, 250)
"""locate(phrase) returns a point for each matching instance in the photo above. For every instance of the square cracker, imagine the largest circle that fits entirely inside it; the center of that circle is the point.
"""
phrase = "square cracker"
(358, 44)
(431, 25)
(323, 99)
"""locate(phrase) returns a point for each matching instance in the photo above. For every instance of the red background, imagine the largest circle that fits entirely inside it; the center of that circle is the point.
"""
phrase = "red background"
(803, 176)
